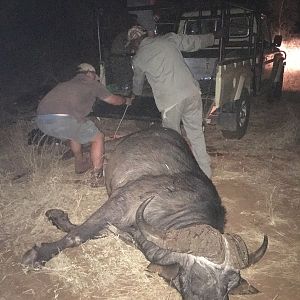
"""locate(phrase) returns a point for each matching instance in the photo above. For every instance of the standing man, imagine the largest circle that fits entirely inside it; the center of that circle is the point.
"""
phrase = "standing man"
(62, 114)
(121, 57)
(177, 94)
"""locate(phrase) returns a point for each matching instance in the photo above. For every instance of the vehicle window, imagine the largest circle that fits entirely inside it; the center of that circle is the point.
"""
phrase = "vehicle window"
(166, 21)
(202, 26)
(163, 28)
(239, 27)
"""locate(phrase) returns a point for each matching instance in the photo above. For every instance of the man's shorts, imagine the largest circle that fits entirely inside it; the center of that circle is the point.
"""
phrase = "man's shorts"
(66, 127)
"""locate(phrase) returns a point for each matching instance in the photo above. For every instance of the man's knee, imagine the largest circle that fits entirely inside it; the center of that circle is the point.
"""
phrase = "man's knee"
(98, 138)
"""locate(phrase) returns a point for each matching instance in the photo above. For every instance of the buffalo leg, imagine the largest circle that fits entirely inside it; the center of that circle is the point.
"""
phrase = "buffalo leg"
(60, 219)
(39, 255)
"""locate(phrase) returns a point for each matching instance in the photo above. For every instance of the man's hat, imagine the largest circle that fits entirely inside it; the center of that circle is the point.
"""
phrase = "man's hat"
(134, 33)
(84, 67)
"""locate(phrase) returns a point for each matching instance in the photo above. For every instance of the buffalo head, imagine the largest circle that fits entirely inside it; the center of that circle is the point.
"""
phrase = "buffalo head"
(201, 262)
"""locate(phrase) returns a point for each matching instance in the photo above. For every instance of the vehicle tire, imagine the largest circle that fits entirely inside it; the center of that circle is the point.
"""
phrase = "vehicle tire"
(276, 89)
(242, 113)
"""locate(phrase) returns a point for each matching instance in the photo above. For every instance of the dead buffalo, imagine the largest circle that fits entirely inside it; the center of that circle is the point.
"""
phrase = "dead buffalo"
(161, 199)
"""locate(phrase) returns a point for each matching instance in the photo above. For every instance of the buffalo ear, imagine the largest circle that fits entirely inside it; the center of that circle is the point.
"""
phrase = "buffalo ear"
(168, 272)
(244, 288)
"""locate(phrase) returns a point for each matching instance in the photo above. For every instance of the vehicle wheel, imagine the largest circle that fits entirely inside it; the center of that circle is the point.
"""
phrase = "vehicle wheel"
(276, 90)
(242, 113)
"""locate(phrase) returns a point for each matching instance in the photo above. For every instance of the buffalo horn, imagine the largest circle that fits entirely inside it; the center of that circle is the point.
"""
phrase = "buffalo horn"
(201, 240)
(239, 255)
(257, 255)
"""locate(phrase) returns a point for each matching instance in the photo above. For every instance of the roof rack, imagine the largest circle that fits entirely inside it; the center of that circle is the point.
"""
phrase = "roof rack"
(196, 4)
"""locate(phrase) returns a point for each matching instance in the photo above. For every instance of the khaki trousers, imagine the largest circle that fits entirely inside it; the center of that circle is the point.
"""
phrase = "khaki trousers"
(189, 111)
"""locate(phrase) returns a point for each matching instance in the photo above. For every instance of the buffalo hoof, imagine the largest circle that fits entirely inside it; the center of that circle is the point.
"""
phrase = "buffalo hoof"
(32, 258)
(60, 219)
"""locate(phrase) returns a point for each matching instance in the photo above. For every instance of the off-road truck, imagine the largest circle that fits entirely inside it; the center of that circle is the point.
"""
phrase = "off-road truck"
(243, 63)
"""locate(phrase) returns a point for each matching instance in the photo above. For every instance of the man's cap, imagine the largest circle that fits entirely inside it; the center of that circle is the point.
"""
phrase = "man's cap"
(84, 67)
(134, 33)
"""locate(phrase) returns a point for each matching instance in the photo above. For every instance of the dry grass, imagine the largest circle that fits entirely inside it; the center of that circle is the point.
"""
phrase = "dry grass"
(109, 267)
(101, 269)
(32, 182)
(268, 210)
(288, 133)
(279, 131)
(282, 247)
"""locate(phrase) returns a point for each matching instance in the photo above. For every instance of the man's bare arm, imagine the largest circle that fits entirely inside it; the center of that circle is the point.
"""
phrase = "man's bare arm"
(117, 100)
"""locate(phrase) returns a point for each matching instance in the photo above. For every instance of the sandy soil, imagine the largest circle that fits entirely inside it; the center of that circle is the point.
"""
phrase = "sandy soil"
(258, 178)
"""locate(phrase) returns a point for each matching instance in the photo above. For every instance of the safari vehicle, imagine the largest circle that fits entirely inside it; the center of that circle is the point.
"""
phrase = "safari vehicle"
(243, 63)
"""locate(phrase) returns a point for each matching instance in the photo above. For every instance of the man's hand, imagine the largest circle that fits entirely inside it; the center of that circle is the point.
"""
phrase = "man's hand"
(129, 100)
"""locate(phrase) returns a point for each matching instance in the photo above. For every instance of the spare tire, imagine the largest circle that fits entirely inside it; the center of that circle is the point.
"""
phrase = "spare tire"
(241, 110)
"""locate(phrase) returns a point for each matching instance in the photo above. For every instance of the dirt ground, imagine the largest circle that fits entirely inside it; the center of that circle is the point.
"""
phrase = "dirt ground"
(258, 178)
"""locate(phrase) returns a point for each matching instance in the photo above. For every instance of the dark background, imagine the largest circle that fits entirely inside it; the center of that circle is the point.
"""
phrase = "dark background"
(68, 27)
(43, 41)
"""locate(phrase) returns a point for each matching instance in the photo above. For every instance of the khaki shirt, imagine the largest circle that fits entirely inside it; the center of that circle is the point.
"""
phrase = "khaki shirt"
(74, 97)
(161, 61)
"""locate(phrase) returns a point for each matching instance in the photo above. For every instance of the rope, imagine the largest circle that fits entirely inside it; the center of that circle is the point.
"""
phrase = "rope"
(206, 97)
(115, 134)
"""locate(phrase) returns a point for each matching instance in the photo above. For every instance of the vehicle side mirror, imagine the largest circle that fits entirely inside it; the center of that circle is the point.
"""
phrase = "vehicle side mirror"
(277, 40)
